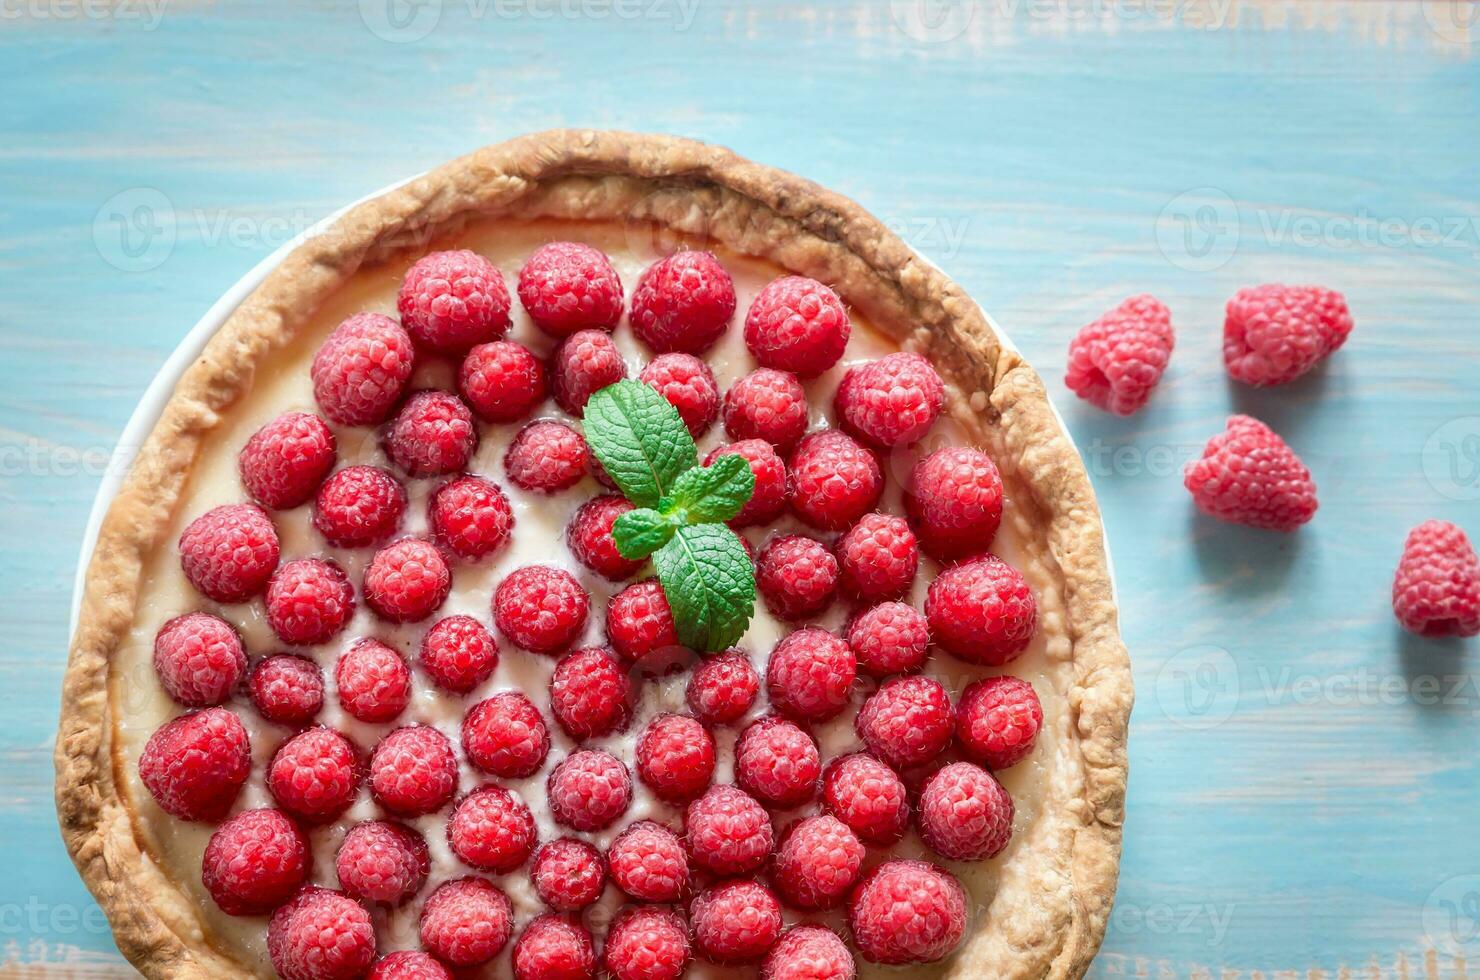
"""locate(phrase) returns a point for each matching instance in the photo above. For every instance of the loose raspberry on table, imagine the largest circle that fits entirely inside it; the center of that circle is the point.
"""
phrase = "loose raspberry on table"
(819, 859)
(505, 736)
(547, 457)
(722, 689)
(728, 832)
(540, 608)
(502, 382)
(408, 964)
(797, 324)
(229, 552)
(777, 763)
(796, 576)
(647, 861)
(359, 505)
(433, 434)
(407, 581)
(997, 721)
(590, 693)
(1248, 475)
(646, 942)
(589, 790)
(492, 830)
(982, 611)
(199, 659)
(286, 689)
(907, 722)
(452, 301)
(471, 517)
(954, 499)
(413, 771)
(583, 364)
(459, 653)
(682, 303)
(908, 912)
(675, 758)
(771, 489)
(466, 922)
(964, 813)
(877, 559)
(868, 796)
(809, 953)
(255, 862)
(373, 681)
(890, 638)
(1436, 590)
(568, 286)
(639, 622)
(810, 675)
(892, 401)
(554, 948)
(589, 536)
(363, 369)
(834, 480)
(1116, 361)
(688, 385)
(1273, 334)
(309, 601)
(382, 863)
(285, 461)
(735, 922)
(195, 765)
(568, 874)
(315, 775)
(321, 935)
(767, 405)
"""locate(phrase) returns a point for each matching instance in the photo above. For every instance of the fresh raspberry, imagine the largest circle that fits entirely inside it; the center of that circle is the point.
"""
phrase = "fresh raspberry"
(589, 790)
(199, 659)
(877, 559)
(285, 461)
(381, 862)
(582, 365)
(675, 758)
(834, 480)
(451, 301)
(321, 935)
(1116, 362)
(688, 385)
(471, 517)
(890, 638)
(818, 861)
(1273, 334)
(682, 303)
(309, 601)
(433, 434)
(646, 942)
(647, 861)
(505, 736)
(554, 948)
(890, 402)
(735, 922)
(373, 680)
(728, 832)
(982, 611)
(768, 405)
(796, 576)
(413, 771)
(868, 796)
(907, 722)
(255, 862)
(639, 622)
(771, 490)
(954, 499)
(195, 765)
(1436, 591)
(797, 324)
(722, 689)
(407, 581)
(458, 654)
(810, 675)
(568, 874)
(589, 535)
(546, 457)
(492, 830)
(363, 369)
(567, 286)
(777, 763)
(229, 552)
(997, 721)
(1248, 475)
(964, 813)
(809, 953)
(590, 693)
(359, 505)
(410, 964)
(502, 381)
(540, 608)
(466, 922)
(286, 689)
(908, 912)
(315, 775)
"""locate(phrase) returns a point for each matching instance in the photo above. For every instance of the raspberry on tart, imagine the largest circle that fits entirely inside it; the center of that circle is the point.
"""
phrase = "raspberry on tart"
(808, 952)
(309, 601)
(359, 505)
(505, 736)
(964, 813)
(735, 922)
(315, 775)
(768, 405)
(362, 370)
(374, 681)
(382, 863)
(688, 385)
(647, 861)
(546, 457)
(590, 693)
(466, 922)
(810, 675)
(877, 559)
(646, 942)
(818, 861)
(834, 480)
(413, 771)
(982, 611)
(493, 830)
(675, 758)
(589, 535)
(892, 401)
(540, 608)
(890, 638)
(771, 488)
(255, 862)
(568, 874)
(907, 722)
(229, 552)
(954, 499)
(728, 832)
(868, 796)
(502, 382)
(286, 689)
(722, 689)
(199, 659)
(908, 912)
(683, 303)
(195, 766)
(459, 653)
(452, 301)
(570, 286)
(583, 364)
(777, 763)
(589, 790)
(471, 517)
(796, 576)
(554, 948)
(284, 462)
(321, 935)
(997, 721)
(797, 324)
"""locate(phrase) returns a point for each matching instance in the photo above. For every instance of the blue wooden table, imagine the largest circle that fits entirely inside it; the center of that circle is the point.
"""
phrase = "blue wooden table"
(1303, 795)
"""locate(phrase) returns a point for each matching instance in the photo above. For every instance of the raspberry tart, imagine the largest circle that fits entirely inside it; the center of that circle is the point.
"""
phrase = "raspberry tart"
(601, 556)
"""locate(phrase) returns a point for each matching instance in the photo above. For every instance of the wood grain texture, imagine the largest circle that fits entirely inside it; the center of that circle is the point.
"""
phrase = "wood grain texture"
(1303, 777)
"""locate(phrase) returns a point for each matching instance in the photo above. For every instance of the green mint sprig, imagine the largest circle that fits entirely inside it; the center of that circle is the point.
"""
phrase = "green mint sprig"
(681, 508)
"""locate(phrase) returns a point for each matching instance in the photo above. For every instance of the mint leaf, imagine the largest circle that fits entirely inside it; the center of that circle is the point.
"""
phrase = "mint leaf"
(641, 532)
(710, 585)
(640, 440)
(711, 495)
